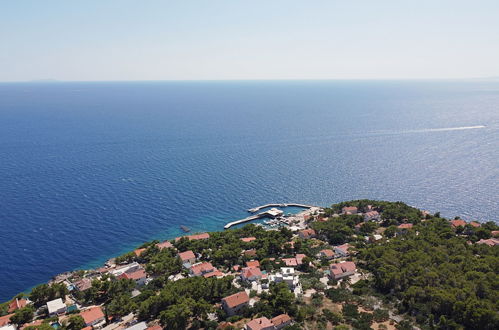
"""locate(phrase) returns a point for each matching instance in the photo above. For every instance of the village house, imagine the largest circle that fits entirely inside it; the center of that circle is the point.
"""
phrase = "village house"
(326, 254)
(248, 239)
(215, 273)
(194, 237)
(251, 274)
(83, 284)
(457, 223)
(93, 316)
(56, 307)
(188, 258)
(139, 276)
(342, 250)
(342, 270)
(281, 321)
(5, 320)
(234, 303)
(349, 210)
(261, 323)
(405, 226)
(125, 268)
(495, 233)
(290, 262)
(372, 216)
(164, 245)
(306, 233)
(17, 304)
(489, 242)
(475, 224)
(202, 268)
(286, 275)
(253, 263)
(299, 258)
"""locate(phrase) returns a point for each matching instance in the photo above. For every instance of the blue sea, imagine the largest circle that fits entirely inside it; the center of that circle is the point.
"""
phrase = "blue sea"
(91, 170)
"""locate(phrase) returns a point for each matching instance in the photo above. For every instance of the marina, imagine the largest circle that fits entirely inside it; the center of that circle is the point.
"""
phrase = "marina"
(275, 214)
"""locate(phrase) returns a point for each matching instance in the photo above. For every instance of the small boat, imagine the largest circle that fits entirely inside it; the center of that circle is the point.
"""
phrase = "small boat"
(185, 229)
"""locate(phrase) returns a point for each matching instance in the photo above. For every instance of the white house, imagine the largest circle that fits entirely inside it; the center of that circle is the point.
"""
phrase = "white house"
(56, 307)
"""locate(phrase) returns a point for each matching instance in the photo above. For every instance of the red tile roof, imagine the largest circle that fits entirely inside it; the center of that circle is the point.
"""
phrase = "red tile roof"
(489, 242)
(136, 275)
(495, 233)
(195, 237)
(342, 267)
(155, 327)
(202, 268)
(250, 253)
(248, 239)
(249, 272)
(350, 209)
(253, 263)
(280, 319)
(327, 252)
(290, 261)
(307, 233)
(187, 255)
(457, 223)
(475, 224)
(236, 299)
(405, 226)
(216, 273)
(259, 323)
(4, 320)
(164, 245)
(92, 314)
(299, 258)
(17, 304)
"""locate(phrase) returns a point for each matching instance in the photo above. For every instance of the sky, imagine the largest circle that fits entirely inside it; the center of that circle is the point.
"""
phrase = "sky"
(109, 40)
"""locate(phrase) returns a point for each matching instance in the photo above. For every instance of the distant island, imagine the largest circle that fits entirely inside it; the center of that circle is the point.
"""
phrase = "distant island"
(361, 264)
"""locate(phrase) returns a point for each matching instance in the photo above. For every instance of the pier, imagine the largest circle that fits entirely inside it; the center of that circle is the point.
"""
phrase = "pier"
(272, 213)
(256, 209)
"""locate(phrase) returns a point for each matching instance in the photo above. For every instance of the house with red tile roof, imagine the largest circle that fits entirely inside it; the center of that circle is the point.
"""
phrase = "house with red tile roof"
(349, 210)
(139, 276)
(5, 320)
(234, 303)
(372, 216)
(290, 262)
(83, 284)
(343, 250)
(281, 321)
(475, 224)
(326, 253)
(306, 233)
(253, 263)
(261, 323)
(457, 223)
(164, 245)
(216, 273)
(251, 274)
(342, 269)
(92, 316)
(299, 258)
(17, 304)
(405, 226)
(489, 242)
(202, 268)
(495, 233)
(248, 239)
(188, 258)
(195, 237)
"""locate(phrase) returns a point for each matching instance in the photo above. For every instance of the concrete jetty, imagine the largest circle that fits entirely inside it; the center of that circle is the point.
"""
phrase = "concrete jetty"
(258, 208)
(272, 213)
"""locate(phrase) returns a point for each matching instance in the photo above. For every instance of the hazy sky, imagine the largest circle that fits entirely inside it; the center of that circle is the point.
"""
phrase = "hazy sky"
(285, 39)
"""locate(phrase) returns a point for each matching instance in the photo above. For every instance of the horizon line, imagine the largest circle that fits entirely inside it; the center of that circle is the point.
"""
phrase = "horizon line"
(51, 80)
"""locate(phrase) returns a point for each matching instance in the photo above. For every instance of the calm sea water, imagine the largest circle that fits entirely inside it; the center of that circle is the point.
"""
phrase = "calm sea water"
(89, 170)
